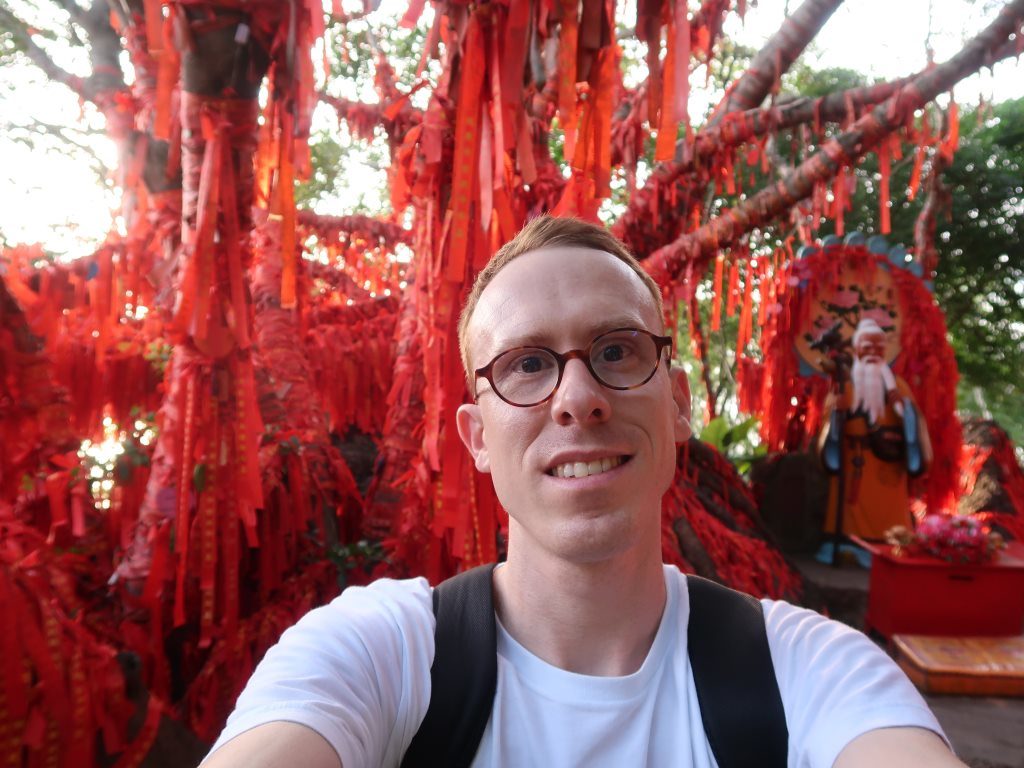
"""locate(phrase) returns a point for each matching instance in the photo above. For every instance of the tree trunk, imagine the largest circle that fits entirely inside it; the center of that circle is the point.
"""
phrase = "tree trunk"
(291, 407)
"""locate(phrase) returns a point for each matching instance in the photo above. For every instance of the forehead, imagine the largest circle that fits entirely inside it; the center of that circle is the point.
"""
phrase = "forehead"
(559, 296)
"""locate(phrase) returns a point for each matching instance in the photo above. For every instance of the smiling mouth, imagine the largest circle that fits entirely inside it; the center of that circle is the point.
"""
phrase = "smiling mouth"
(586, 468)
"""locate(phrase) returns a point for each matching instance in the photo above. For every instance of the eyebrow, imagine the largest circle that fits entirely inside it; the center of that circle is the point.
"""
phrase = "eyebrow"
(544, 339)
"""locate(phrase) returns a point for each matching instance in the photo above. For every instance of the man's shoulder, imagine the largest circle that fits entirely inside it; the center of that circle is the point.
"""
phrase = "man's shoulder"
(803, 641)
(788, 625)
(397, 603)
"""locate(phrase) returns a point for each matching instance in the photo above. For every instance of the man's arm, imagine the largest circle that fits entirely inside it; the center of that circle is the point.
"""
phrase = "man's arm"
(274, 745)
(349, 683)
(899, 748)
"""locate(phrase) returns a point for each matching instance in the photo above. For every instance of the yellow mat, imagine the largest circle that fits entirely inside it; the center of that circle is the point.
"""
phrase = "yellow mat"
(978, 666)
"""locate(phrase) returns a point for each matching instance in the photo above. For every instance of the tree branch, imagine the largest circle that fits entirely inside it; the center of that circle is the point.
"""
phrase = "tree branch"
(775, 58)
(64, 134)
(737, 129)
(386, 233)
(362, 118)
(74, 10)
(667, 263)
(40, 57)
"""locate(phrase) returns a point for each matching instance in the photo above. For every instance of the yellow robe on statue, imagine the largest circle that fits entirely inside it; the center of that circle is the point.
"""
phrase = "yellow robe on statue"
(875, 490)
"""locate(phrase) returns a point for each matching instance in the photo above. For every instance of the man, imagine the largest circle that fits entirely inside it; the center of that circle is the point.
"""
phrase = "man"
(874, 449)
(592, 661)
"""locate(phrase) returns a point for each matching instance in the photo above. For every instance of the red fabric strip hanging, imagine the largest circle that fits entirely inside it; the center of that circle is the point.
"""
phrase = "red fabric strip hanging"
(467, 136)
(744, 333)
(239, 320)
(668, 126)
(734, 280)
(567, 58)
(496, 112)
(885, 170)
(952, 139)
(206, 514)
(839, 200)
(182, 524)
(681, 77)
(762, 291)
(229, 564)
(716, 298)
(485, 172)
(649, 31)
(285, 208)
(513, 60)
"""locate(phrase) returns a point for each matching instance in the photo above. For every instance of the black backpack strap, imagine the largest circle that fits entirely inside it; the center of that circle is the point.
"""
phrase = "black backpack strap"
(740, 703)
(464, 675)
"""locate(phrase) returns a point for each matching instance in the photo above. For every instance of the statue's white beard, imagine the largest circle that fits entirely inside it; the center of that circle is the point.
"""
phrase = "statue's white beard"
(872, 378)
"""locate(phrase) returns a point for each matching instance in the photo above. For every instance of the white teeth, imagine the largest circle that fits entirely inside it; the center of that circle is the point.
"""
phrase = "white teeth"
(586, 468)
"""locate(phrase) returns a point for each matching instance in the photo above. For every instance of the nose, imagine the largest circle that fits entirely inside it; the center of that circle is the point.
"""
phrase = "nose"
(579, 398)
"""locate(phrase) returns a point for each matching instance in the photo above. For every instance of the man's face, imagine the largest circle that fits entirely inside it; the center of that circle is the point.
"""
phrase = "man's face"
(871, 348)
(563, 298)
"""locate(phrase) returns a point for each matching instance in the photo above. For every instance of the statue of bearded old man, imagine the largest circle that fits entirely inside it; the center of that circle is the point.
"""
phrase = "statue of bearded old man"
(875, 437)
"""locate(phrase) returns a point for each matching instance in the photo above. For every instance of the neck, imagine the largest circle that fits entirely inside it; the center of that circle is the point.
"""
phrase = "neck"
(590, 618)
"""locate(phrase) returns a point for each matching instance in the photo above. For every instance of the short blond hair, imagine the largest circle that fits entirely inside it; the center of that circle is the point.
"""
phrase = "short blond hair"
(548, 232)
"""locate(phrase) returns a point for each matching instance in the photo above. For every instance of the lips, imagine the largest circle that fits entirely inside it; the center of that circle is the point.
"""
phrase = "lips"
(579, 469)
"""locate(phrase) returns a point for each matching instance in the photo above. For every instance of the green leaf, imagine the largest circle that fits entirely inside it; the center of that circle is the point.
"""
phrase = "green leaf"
(715, 431)
(740, 432)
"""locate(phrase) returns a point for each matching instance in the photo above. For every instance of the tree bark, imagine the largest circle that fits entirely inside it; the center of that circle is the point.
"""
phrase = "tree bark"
(289, 403)
(774, 59)
(400, 444)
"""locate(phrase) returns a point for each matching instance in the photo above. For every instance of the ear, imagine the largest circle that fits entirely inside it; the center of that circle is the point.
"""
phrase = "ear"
(471, 429)
(681, 396)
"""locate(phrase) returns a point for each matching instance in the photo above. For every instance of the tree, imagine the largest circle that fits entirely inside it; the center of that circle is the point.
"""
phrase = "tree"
(512, 109)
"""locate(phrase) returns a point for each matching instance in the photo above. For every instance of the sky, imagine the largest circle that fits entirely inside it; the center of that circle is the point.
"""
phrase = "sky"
(53, 197)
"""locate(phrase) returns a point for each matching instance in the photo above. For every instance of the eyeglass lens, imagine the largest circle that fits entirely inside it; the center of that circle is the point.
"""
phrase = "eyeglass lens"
(620, 359)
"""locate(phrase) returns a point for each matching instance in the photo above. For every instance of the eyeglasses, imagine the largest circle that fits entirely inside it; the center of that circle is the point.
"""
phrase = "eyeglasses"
(625, 358)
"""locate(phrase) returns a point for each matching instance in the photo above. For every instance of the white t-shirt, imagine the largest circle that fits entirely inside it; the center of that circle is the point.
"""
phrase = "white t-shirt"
(357, 671)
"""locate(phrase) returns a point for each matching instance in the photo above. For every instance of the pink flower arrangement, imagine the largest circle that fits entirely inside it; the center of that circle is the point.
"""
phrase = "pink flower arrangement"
(956, 539)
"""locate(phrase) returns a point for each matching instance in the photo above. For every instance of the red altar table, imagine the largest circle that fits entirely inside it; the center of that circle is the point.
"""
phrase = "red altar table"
(928, 596)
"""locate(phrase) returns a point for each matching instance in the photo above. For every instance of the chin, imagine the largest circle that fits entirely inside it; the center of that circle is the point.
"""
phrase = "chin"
(592, 537)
